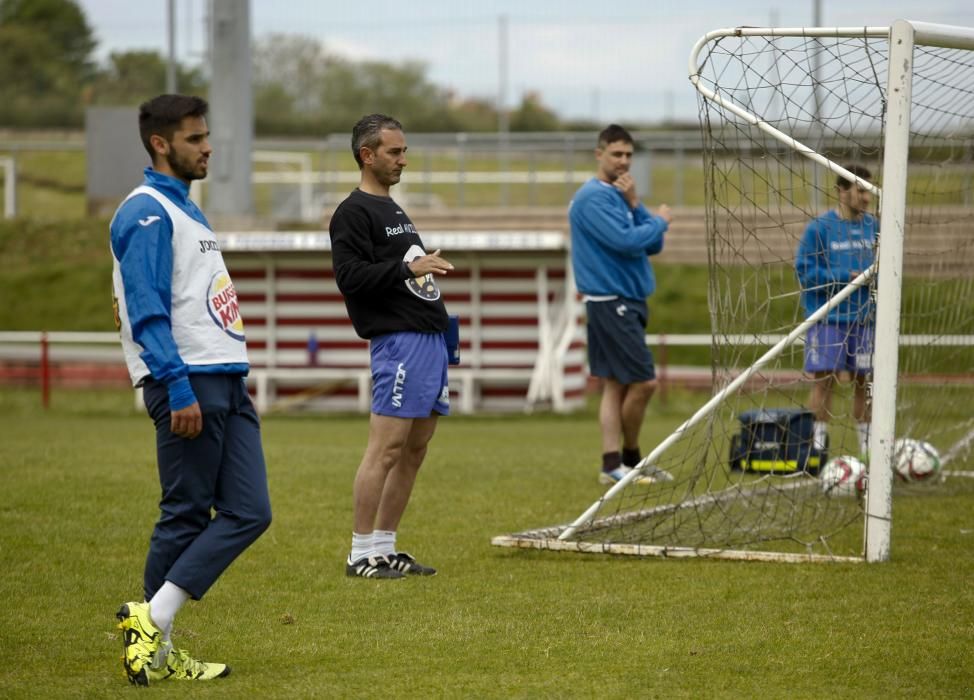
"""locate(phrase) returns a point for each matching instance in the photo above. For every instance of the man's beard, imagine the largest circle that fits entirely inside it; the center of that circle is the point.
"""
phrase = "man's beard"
(389, 178)
(182, 168)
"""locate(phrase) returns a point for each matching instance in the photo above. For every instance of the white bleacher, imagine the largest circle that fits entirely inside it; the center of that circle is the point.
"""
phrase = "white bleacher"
(521, 332)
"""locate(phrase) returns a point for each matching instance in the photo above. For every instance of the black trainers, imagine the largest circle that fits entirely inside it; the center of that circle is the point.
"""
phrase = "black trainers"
(371, 567)
(407, 564)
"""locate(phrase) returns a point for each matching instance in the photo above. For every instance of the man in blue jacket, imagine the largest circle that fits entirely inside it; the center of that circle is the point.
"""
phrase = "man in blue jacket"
(183, 341)
(835, 248)
(612, 235)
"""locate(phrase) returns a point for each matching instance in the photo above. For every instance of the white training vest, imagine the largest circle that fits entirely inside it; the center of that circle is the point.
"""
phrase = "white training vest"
(205, 314)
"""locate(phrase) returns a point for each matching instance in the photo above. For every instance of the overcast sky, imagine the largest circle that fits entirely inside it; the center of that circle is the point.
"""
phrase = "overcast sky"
(624, 61)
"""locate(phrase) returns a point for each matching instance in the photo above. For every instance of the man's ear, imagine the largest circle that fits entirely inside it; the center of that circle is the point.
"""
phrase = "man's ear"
(366, 154)
(159, 144)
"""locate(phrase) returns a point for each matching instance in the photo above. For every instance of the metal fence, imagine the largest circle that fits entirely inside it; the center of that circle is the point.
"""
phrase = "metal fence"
(301, 180)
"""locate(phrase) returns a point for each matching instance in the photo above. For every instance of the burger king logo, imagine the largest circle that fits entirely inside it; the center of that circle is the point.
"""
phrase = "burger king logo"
(222, 305)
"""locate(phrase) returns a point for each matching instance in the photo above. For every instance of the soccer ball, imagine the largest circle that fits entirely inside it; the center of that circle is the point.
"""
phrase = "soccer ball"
(915, 460)
(843, 476)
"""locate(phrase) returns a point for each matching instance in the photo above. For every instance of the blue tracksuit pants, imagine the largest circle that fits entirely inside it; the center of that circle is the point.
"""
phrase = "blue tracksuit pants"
(214, 501)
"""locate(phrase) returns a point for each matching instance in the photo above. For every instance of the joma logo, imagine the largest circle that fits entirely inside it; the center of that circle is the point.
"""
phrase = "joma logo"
(397, 386)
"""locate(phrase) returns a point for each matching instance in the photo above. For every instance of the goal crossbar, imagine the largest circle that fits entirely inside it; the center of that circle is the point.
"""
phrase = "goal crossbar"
(941, 35)
(753, 119)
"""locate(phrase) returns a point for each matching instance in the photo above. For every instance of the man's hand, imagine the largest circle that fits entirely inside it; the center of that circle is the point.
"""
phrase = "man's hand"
(664, 213)
(186, 422)
(431, 263)
(625, 184)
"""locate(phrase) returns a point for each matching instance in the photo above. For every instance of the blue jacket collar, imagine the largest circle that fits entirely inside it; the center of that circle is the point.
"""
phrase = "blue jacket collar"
(175, 189)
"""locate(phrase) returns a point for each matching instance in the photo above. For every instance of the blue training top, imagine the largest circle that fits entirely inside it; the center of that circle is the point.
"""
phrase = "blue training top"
(145, 255)
(610, 242)
(834, 251)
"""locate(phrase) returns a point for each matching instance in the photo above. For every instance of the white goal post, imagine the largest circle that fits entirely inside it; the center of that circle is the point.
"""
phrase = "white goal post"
(705, 499)
(903, 35)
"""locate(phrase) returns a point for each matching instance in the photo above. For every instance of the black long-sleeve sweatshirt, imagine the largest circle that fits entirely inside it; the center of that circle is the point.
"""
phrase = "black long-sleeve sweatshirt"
(372, 242)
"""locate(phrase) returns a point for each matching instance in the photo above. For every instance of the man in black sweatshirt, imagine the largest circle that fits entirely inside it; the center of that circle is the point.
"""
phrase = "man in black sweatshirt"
(387, 279)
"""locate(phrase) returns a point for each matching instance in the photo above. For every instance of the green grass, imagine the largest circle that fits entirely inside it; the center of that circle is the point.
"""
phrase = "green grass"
(81, 492)
(80, 496)
(50, 184)
(57, 275)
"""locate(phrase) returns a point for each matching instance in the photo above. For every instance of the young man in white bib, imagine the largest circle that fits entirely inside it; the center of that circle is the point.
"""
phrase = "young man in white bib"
(183, 339)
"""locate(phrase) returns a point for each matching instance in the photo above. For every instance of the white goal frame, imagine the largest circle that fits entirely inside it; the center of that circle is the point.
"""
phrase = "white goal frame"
(903, 36)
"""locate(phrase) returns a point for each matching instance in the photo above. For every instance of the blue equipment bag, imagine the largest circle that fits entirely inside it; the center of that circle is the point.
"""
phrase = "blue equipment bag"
(776, 441)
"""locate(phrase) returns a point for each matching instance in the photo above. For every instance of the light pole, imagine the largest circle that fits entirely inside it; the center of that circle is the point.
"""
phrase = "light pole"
(171, 86)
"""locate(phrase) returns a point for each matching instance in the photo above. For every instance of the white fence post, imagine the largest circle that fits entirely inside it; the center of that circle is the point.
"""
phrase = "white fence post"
(9, 186)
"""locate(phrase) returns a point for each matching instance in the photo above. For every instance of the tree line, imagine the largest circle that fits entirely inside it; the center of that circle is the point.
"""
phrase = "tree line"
(48, 77)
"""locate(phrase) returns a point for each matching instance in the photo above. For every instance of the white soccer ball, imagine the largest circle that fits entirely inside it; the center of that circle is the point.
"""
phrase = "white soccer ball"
(915, 460)
(843, 476)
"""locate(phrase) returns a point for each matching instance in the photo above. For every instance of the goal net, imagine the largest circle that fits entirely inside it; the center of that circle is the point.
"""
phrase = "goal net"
(783, 113)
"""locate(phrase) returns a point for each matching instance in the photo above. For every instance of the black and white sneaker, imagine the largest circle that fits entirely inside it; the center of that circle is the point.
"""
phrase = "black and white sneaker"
(371, 567)
(407, 564)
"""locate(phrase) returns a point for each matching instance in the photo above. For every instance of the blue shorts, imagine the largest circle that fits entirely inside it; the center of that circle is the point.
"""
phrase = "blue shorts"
(409, 375)
(834, 347)
(617, 341)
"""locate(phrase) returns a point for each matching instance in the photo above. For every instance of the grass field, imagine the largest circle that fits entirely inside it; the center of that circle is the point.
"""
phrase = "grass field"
(81, 496)
(80, 493)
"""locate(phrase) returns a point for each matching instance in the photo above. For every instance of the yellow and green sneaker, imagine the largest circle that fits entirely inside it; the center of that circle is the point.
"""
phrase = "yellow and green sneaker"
(180, 666)
(140, 641)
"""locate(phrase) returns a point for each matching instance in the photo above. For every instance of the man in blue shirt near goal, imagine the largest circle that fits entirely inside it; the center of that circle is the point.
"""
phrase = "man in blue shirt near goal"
(612, 235)
(835, 249)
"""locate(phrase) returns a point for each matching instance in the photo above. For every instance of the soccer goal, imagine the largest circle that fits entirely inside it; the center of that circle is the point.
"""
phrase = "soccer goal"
(783, 112)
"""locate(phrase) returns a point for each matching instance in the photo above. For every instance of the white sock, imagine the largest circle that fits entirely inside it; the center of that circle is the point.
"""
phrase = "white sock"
(165, 604)
(862, 429)
(362, 546)
(384, 541)
(821, 434)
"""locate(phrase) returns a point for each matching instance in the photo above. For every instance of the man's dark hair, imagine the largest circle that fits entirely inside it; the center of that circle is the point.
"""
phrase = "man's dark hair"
(858, 171)
(613, 133)
(162, 115)
(368, 132)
